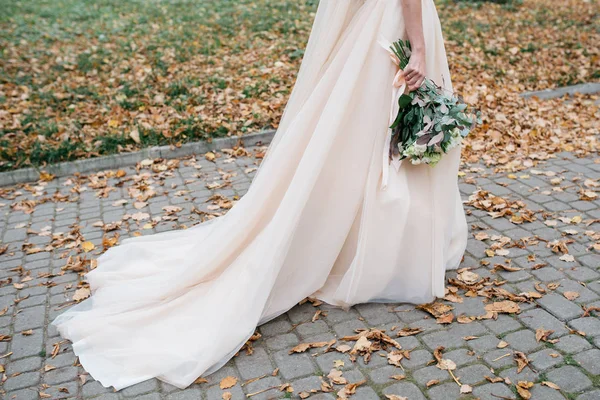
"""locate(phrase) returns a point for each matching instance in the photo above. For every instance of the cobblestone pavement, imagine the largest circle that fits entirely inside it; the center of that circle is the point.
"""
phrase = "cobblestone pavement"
(35, 288)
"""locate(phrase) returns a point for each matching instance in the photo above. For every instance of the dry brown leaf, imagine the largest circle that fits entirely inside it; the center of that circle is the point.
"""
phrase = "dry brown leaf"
(436, 309)
(523, 389)
(571, 295)
(335, 376)
(522, 361)
(551, 385)
(464, 389)
(409, 332)
(302, 347)
(541, 334)
(228, 382)
(445, 319)
(81, 294)
(432, 382)
(506, 306)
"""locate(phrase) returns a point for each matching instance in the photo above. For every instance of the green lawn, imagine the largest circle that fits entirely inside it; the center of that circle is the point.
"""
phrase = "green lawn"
(85, 78)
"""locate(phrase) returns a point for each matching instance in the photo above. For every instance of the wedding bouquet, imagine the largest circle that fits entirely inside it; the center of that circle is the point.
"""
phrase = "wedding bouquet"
(430, 120)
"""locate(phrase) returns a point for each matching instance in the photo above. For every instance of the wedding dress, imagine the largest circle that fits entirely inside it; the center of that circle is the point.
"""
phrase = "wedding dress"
(317, 220)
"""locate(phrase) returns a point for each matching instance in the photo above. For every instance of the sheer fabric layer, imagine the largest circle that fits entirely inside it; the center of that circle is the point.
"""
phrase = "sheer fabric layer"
(178, 305)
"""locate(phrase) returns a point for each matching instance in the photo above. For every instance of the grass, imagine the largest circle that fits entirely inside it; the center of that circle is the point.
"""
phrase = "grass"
(77, 77)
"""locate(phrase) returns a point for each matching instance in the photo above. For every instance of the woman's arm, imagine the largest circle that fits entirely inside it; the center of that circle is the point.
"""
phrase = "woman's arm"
(414, 72)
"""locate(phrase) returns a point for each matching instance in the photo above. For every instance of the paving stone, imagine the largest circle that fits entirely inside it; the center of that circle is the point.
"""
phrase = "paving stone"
(223, 372)
(593, 395)
(376, 313)
(503, 324)
(383, 375)
(526, 374)
(473, 374)
(445, 391)
(405, 389)
(443, 338)
(23, 394)
(312, 328)
(499, 358)
(293, 366)
(545, 393)
(348, 328)
(216, 393)
(277, 326)
(25, 346)
(539, 318)
(94, 388)
(545, 359)
(590, 361)
(585, 294)
(187, 394)
(255, 365)
(582, 273)
(424, 375)
(24, 365)
(336, 315)
(149, 396)
(418, 358)
(483, 343)
(326, 361)
(21, 381)
(523, 340)
(589, 325)
(572, 344)
(548, 274)
(263, 384)
(491, 391)
(286, 341)
(66, 390)
(30, 318)
(461, 356)
(306, 384)
(378, 359)
(569, 378)
(60, 375)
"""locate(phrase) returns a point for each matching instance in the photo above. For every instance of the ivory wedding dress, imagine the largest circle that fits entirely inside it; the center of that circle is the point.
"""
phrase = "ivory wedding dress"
(318, 220)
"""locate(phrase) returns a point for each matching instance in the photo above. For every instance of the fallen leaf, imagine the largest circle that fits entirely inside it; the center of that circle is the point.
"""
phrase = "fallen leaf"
(571, 295)
(335, 375)
(81, 293)
(541, 334)
(464, 389)
(88, 246)
(228, 382)
(551, 385)
(506, 306)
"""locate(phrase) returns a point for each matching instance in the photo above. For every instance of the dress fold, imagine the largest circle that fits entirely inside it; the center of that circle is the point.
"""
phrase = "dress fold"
(178, 305)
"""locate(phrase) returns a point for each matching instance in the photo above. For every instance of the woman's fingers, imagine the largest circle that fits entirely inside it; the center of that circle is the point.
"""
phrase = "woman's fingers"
(415, 82)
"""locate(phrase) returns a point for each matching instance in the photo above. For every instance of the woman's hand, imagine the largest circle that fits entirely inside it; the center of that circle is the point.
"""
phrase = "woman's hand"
(414, 73)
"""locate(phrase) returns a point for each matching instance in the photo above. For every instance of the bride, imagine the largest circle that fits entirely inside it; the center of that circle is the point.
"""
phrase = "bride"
(326, 216)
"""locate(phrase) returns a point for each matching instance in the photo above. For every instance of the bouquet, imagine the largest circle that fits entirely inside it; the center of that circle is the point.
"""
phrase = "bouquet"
(430, 120)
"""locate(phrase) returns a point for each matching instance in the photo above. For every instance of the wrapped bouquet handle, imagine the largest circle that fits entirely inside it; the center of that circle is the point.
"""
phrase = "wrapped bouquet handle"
(425, 123)
(398, 88)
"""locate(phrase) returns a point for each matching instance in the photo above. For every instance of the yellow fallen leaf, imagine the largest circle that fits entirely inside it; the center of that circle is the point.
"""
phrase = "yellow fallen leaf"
(88, 246)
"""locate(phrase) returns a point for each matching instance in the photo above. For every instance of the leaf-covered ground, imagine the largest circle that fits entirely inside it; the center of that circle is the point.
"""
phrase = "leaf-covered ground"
(82, 79)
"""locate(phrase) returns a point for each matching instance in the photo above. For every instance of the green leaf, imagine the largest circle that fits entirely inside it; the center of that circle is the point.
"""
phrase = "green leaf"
(404, 100)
